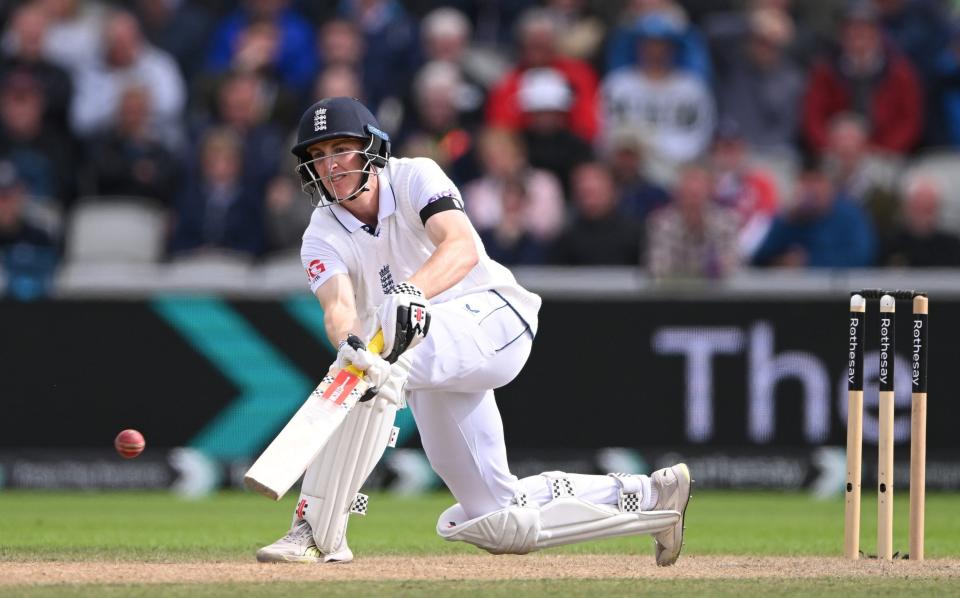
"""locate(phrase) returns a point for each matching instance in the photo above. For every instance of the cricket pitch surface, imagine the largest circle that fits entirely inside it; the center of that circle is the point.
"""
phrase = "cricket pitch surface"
(472, 567)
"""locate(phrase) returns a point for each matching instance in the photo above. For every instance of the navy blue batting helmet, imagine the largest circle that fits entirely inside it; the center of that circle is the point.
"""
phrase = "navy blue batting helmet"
(333, 118)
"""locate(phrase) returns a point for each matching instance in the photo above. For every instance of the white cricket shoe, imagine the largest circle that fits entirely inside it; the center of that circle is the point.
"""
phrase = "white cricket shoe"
(673, 494)
(298, 546)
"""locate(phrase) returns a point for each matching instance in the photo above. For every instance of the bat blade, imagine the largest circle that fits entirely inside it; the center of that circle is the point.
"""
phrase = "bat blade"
(299, 442)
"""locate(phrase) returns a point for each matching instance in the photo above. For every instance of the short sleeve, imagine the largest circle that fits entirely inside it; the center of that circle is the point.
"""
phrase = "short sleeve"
(432, 191)
(320, 261)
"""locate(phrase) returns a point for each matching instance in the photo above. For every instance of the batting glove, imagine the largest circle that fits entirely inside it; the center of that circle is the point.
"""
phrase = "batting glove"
(376, 370)
(405, 319)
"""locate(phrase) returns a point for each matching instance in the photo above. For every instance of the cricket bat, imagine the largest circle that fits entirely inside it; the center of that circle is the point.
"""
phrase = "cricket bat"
(301, 440)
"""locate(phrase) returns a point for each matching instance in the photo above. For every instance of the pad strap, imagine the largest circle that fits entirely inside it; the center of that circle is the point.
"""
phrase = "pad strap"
(627, 501)
(559, 484)
(521, 499)
(359, 506)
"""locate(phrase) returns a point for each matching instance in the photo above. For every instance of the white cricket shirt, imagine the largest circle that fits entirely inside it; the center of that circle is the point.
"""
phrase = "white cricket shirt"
(336, 242)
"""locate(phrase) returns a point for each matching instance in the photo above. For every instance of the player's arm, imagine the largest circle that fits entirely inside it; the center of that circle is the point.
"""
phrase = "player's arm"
(336, 296)
(404, 315)
(455, 254)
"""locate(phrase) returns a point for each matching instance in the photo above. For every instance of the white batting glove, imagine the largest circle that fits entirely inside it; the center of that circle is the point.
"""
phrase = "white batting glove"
(393, 388)
(384, 380)
(405, 319)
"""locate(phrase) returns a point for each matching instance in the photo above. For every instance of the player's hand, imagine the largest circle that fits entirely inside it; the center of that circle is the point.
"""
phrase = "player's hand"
(384, 380)
(405, 319)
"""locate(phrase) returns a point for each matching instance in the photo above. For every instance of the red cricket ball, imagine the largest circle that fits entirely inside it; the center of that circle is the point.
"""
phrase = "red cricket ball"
(129, 443)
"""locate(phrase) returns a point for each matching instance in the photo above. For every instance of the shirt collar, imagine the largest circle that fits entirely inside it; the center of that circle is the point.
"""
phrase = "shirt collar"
(387, 206)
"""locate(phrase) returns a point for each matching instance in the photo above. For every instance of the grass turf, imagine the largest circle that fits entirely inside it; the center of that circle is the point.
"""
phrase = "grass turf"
(138, 526)
(230, 526)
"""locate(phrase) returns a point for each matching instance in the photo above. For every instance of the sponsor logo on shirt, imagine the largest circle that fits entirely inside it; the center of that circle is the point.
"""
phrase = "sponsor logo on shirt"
(314, 270)
(451, 193)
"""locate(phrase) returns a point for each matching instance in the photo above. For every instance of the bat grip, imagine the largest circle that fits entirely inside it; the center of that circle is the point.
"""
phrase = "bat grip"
(375, 346)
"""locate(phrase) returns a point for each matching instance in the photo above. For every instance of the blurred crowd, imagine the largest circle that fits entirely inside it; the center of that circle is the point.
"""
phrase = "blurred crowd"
(689, 138)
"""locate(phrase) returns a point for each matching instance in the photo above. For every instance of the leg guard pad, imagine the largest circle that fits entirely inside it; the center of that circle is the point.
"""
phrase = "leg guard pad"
(564, 520)
(330, 486)
(512, 530)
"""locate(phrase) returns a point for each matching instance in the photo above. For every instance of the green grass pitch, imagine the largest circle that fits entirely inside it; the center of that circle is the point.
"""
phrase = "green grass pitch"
(230, 526)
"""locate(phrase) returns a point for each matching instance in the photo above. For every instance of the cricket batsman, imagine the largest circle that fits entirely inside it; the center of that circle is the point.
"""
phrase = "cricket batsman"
(389, 248)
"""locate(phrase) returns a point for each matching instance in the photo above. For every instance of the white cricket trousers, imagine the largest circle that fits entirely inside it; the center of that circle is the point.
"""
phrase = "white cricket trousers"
(475, 344)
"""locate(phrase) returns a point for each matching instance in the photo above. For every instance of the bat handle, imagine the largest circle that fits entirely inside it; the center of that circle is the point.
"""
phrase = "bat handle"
(375, 346)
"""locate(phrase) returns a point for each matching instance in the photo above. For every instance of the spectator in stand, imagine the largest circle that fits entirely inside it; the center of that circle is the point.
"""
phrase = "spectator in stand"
(921, 29)
(508, 241)
(759, 87)
(691, 53)
(216, 210)
(23, 51)
(639, 196)
(749, 190)
(391, 54)
(178, 27)
(446, 37)
(867, 177)
(44, 154)
(919, 242)
(437, 130)
(75, 32)
(599, 234)
(813, 22)
(545, 100)
(28, 251)
(582, 30)
(15, 222)
(126, 58)
(286, 213)
(339, 43)
(257, 51)
(821, 229)
(537, 37)
(693, 237)
(294, 59)
(337, 80)
(128, 159)
(868, 77)
(946, 92)
(504, 159)
(241, 106)
(674, 108)
(494, 23)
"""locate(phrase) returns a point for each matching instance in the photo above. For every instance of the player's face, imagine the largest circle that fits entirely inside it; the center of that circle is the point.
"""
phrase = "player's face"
(338, 163)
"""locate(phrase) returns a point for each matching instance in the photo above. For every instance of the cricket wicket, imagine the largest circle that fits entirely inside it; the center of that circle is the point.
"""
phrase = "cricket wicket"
(918, 420)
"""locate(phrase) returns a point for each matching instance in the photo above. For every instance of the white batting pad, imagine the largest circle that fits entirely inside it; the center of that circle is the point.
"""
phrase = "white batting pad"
(564, 520)
(331, 483)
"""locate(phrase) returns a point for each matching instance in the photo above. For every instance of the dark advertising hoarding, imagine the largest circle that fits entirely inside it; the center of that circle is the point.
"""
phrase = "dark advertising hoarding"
(731, 381)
